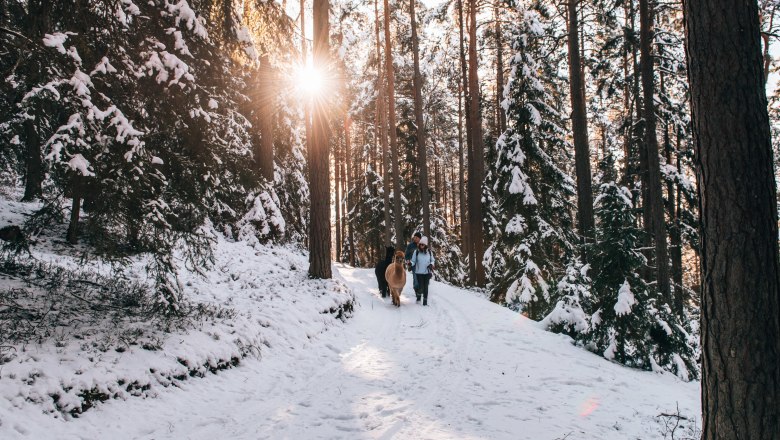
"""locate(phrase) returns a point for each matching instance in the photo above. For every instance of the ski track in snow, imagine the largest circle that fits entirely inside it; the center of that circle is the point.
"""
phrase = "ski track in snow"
(461, 368)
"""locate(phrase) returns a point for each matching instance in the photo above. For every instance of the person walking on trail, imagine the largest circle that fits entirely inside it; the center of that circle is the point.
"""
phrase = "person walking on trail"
(380, 269)
(411, 248)
(422, 268)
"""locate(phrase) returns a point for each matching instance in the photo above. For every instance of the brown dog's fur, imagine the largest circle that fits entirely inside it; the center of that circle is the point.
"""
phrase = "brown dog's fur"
(396, 277)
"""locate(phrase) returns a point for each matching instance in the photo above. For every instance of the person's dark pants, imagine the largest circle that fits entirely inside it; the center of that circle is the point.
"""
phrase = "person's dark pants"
(424, 280)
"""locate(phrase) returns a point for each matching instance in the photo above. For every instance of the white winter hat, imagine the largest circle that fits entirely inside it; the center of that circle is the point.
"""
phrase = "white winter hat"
(424, 241)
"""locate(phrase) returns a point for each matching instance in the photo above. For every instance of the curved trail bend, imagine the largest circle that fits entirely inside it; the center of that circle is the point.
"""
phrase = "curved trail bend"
(461, 368)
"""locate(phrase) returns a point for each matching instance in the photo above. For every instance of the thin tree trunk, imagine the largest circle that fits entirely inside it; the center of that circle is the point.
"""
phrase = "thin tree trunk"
(390, 75)
(345, 184)
(33, 176)
(337, 161)
(579, 123)
(477, 165)
(461, 180)
(344, 205)
(422, 153)
(765, 37)
(39, 19)
(75, 211)
(468, 245)
(673, 209)
(306, 110)
(676, 236)
(351, 174)
(740, 311)
(267, 104)
(453, 202)
(382, 117)
(628, 112)
(500, 115)
(636, 127)
(319, 185)
(654, 202)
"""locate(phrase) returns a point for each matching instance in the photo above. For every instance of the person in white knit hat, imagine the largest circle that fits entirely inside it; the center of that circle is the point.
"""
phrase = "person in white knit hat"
(422, 266)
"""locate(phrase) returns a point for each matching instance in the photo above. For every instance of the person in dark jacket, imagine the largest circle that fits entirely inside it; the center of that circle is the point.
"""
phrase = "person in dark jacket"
(381, 267)
(410, 248)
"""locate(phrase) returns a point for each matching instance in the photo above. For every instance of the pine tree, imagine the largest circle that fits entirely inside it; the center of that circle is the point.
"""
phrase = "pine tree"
(627, 322)
(532, 190)
(144, 129)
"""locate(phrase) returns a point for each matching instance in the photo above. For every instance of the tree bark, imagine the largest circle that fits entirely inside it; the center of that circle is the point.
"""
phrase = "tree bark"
(319, 169)
(33, 176)
(739, 261)
(477, 164)
(654, 202)
(265, 154)
(382, 129)
(337, 162)
(422, 154)
(39, 19)
(500, 115)
(350, 172)
(466, 226)
(579, 122)
(72, 235)
(464, 230)
(676, 237)
(390, 75)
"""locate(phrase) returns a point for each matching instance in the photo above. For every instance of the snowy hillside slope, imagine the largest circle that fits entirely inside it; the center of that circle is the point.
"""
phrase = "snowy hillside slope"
(462, 368)
(252, 301)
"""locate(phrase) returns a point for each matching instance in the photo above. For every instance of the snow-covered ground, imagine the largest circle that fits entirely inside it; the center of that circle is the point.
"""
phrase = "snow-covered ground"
(462, 368)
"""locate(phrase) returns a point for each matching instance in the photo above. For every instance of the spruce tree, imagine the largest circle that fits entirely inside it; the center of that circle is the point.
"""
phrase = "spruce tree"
(531, 189)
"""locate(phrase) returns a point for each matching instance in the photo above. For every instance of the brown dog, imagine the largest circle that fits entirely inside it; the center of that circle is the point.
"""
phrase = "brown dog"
(396, 277)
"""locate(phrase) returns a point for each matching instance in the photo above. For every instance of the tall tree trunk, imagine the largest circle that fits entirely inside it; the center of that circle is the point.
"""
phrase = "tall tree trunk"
(500, 115)
(345, 183)
(674, 212)
(337, 162)
(351, 173)
(468, 244)
(654, 202)
(345, 204)
(39, 22)
(636, 133)
(382, 118)
(267, 106)
(477, 165)
(628, 111)
(579, 122)
(676, 237)
(390, 75)
(464, 229)
(422, 154)
(453, 203)
(740, 276)
(319, 169)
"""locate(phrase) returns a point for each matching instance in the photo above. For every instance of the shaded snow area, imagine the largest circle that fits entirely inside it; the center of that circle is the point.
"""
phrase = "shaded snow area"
(461, 368)
(253, 303)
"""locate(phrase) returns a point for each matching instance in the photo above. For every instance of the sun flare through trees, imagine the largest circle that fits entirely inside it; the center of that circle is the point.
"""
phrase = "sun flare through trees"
(604, 168)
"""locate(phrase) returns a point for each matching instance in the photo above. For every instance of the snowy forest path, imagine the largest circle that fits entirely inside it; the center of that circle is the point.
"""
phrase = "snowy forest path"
(461, 368)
